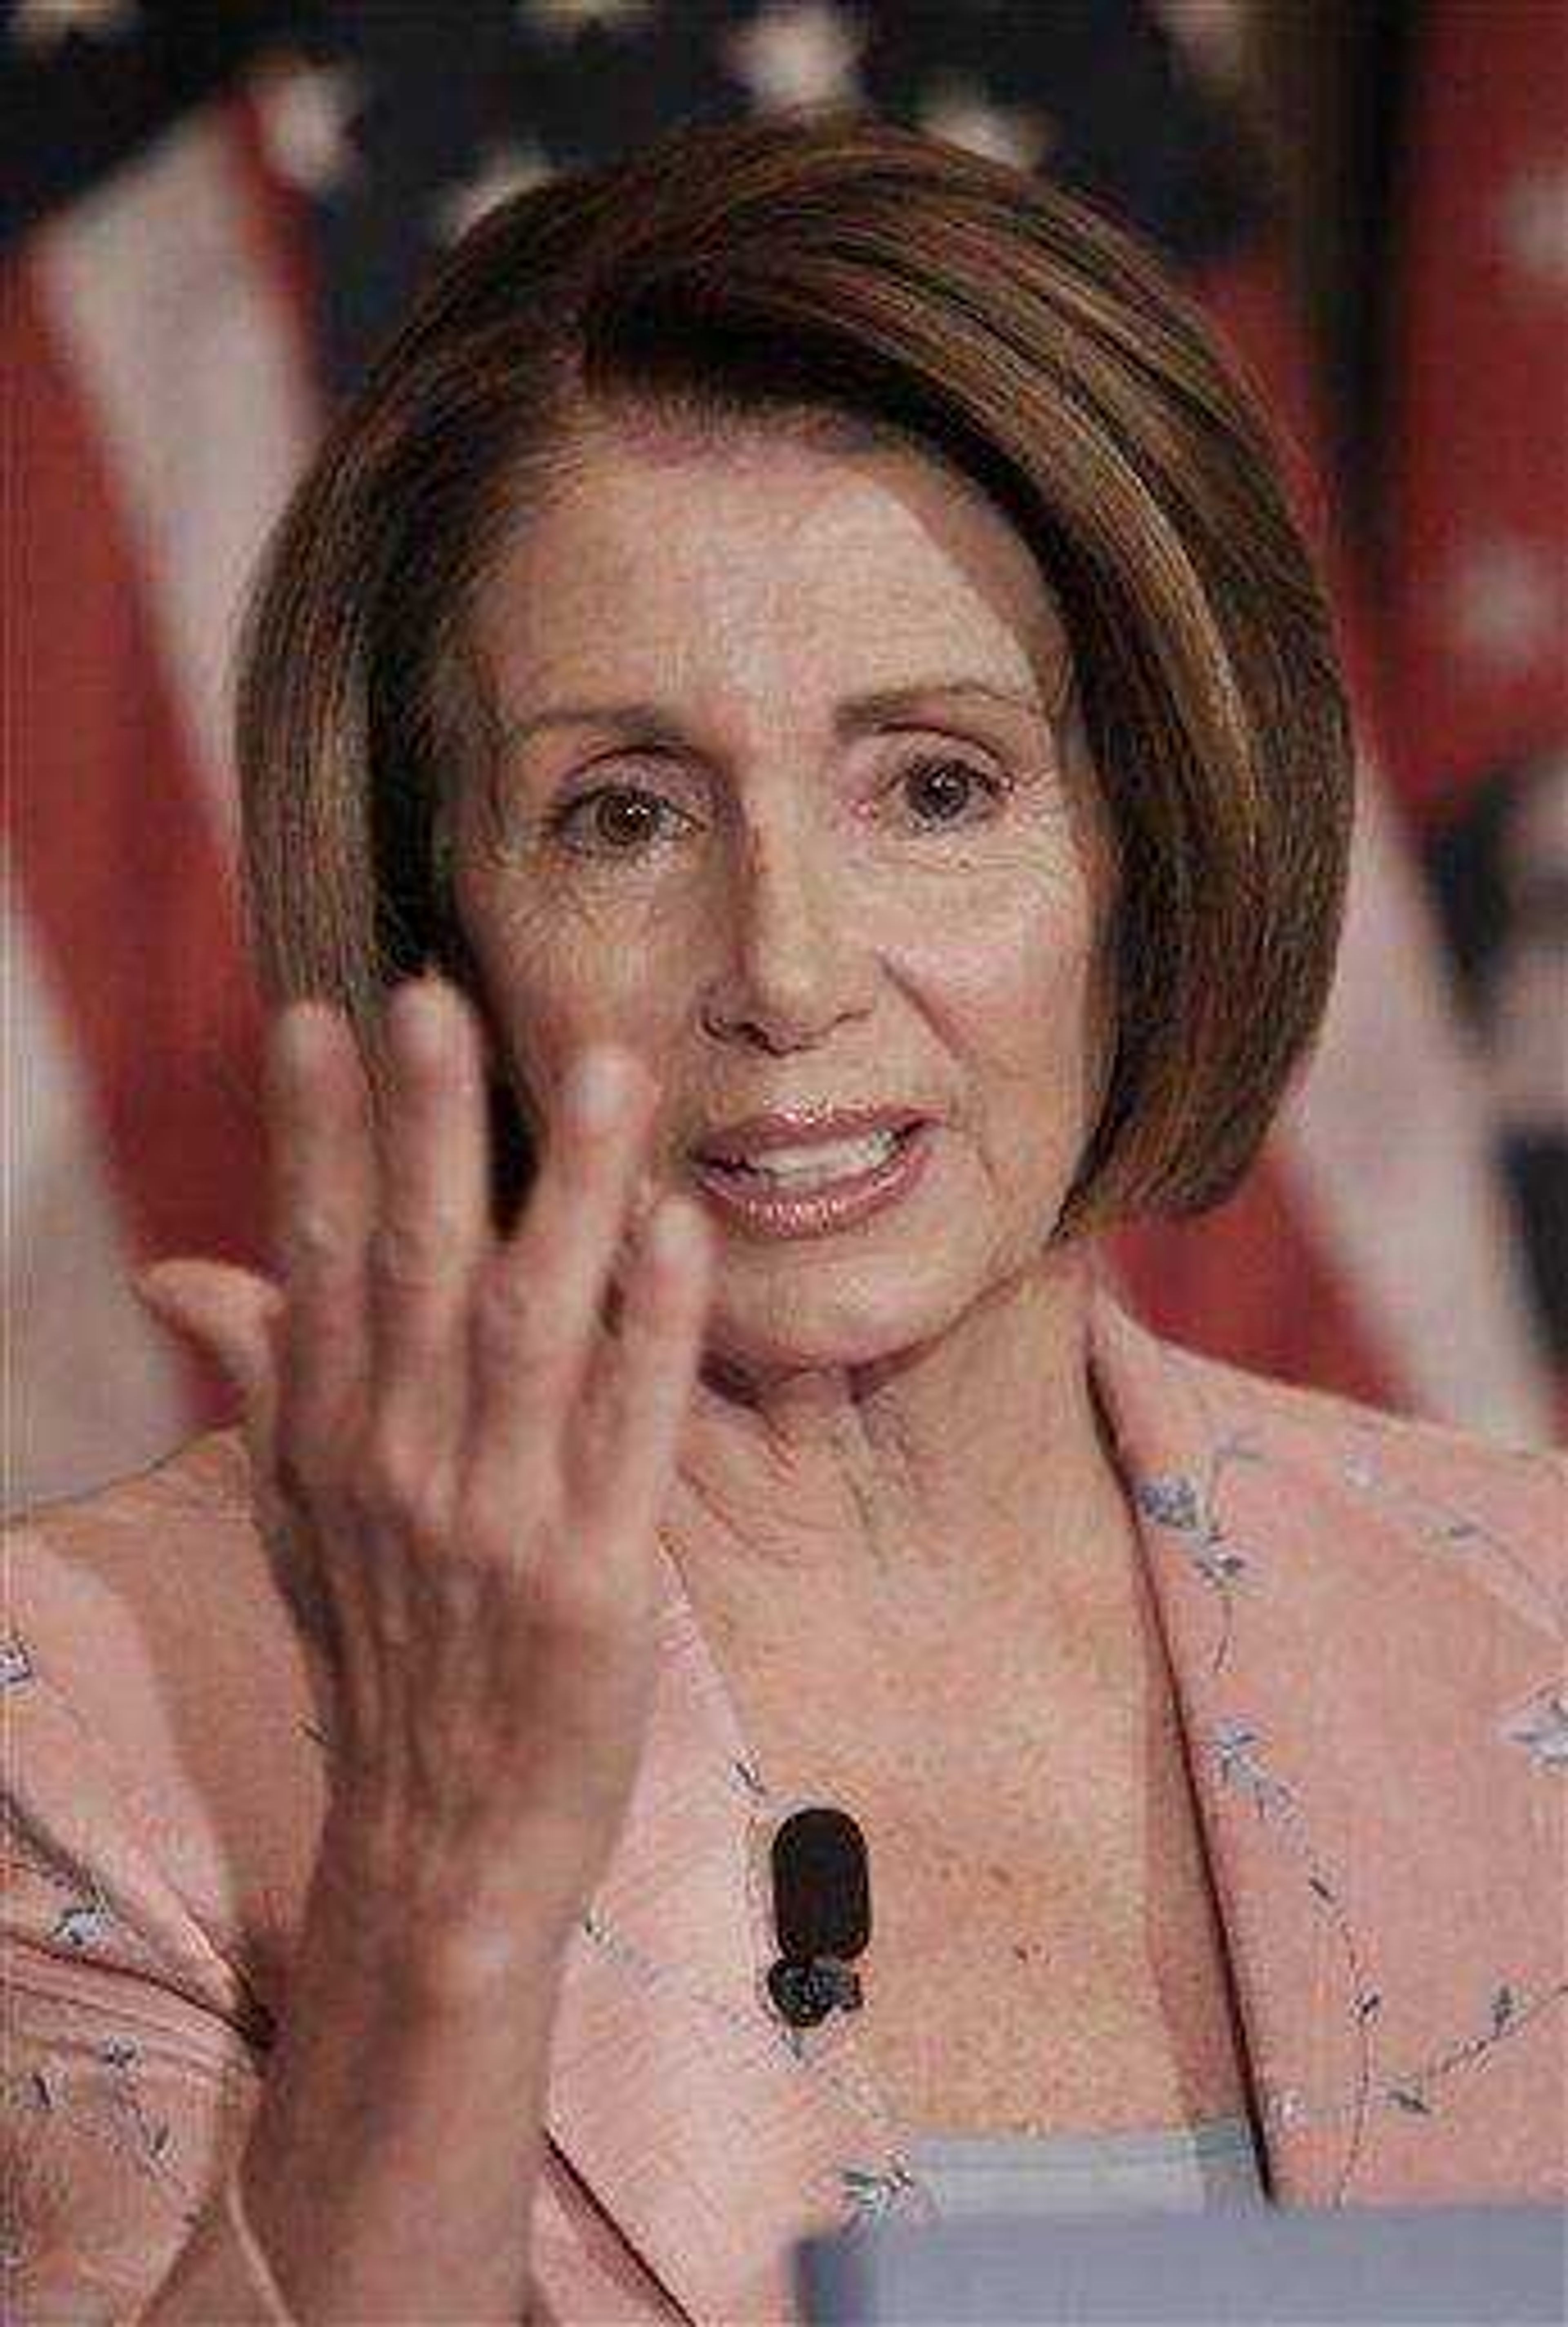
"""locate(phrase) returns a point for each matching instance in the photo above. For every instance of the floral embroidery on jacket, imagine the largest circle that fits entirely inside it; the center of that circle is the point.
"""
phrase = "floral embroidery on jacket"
(15, 1664)
(1187, 1507)
(1541, 1727)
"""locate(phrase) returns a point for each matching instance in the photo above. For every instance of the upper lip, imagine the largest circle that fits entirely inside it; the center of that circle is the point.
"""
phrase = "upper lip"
(801, 1127)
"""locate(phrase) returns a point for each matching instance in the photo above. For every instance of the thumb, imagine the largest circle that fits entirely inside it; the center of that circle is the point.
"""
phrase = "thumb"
(228, 1310)
(236, 1316)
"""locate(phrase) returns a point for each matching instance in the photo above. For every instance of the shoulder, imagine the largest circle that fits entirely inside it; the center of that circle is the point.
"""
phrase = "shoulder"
(152, 1594)
(1532, 1479)
(1441, 1484)
(159, 1700)
(1355, 1498)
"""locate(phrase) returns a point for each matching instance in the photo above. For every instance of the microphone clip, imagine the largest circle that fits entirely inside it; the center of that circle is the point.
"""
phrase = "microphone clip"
(821, 1914)
(805, 1992)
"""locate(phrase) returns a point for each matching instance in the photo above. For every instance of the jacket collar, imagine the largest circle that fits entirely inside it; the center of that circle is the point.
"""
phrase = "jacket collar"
(715, 2136)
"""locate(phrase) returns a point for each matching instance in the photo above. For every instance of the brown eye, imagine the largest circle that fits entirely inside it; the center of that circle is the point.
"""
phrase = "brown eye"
(619, 820)
(945, 785)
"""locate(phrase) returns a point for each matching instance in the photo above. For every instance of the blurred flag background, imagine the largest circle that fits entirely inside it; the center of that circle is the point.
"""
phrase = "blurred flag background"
(212, 214)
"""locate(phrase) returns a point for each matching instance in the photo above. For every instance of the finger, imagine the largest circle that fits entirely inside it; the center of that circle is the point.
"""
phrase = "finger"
(323, 1189)
(223, 1309)
(433, 1224)
(237, 1317)
(646, 1378)
(536, 1312)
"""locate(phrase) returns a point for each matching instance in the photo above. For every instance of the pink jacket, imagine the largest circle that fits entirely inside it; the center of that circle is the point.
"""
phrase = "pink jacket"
(1365, 1617)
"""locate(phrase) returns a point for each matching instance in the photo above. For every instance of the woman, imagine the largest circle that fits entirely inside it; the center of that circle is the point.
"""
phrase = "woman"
(797, 668)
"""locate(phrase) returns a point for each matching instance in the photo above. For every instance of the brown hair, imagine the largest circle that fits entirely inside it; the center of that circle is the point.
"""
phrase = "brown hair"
(737, 274)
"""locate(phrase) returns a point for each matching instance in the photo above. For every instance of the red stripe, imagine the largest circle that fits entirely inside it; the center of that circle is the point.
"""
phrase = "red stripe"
(125, 883)
(1248, 1284)
(1478, 432)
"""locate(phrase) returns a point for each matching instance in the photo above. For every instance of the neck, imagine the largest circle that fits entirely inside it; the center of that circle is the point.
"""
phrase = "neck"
(915, 1491)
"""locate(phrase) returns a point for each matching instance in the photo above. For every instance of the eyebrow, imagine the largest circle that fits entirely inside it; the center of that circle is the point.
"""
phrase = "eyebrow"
(852, 717)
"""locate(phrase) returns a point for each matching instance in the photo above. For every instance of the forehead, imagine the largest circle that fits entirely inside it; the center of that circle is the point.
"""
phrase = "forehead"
(658, 547)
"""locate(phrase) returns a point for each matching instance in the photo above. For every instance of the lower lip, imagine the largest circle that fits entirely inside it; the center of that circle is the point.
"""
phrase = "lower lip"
(763, 1211)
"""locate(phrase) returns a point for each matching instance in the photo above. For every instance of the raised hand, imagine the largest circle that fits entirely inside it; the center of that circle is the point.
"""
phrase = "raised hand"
(458, 1469)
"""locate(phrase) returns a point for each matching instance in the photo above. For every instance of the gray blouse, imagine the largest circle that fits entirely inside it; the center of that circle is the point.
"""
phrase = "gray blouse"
(1183, 2168)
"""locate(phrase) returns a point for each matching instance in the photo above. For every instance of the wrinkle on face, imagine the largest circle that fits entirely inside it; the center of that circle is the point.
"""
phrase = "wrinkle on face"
(883, 1395)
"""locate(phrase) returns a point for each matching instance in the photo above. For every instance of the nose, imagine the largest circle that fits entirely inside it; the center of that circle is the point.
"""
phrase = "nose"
(796, 958)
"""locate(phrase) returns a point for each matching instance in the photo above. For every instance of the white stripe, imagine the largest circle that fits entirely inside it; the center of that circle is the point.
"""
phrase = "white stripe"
(1388, 1145)
(184, 349)
(91, 1386)
(186, 355)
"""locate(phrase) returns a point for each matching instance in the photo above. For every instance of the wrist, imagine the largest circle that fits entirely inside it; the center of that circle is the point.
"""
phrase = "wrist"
(460, 1940)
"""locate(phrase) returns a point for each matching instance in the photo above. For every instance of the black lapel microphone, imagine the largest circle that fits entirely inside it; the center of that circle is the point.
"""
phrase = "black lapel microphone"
(821, 1914)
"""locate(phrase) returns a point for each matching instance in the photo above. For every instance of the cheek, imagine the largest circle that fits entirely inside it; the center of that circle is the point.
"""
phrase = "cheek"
(1013, 994)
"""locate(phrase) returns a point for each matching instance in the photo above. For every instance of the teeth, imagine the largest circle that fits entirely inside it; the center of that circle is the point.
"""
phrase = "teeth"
(808, 1166)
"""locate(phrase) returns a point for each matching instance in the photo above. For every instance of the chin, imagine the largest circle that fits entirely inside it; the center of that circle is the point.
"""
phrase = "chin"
(853, 1318)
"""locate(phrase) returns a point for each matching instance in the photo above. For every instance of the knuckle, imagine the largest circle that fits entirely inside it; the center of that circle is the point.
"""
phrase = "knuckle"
(508, 1326)
(487, 1539)
(406, 1258)
(503, 1295)
(578, 1600)
(395, 1479)
(317, 1240)
(497, 1521)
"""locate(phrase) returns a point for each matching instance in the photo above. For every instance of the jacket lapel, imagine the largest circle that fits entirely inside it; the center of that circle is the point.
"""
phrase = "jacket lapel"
(715, 2137)
(706, 2132)
(1364, 1615)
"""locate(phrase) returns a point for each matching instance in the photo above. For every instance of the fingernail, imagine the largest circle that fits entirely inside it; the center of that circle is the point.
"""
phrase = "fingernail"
(420, 1015)
(298, 1035)
(598, 1088)
(675, 1232)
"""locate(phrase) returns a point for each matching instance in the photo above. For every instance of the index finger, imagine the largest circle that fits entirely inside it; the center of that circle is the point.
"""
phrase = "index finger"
(323, 1185)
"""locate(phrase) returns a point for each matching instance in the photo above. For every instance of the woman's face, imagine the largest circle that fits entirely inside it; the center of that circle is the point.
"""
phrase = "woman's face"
(704, 843)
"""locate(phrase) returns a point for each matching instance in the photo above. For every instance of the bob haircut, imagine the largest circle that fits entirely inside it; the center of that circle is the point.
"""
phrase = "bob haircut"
(832, 274)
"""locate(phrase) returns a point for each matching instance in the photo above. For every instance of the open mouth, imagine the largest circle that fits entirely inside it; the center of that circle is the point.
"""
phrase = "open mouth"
(831, 1187)
(826, 1164)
